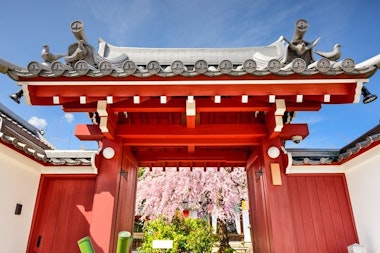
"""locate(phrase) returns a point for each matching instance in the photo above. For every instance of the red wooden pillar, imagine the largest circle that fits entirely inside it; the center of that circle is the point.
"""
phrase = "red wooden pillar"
(114, 198)
(271, 212)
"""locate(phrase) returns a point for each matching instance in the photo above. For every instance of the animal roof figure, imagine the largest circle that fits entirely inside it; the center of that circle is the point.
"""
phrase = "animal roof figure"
(332, 55)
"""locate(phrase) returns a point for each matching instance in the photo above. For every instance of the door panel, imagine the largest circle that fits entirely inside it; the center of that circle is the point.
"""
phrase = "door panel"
(63, 214)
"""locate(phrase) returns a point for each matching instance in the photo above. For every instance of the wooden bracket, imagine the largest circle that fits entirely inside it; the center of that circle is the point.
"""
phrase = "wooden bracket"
(274, 119)
(108, 119)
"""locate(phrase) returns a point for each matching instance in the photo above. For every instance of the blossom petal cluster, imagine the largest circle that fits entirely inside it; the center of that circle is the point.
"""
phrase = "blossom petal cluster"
(218, 191)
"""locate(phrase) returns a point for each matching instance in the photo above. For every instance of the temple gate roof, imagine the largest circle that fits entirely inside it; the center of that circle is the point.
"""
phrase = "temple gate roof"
(282, 58)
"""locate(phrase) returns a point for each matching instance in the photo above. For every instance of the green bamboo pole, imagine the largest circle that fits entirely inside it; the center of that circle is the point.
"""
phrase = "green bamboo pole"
(85, 245)
(124, 242)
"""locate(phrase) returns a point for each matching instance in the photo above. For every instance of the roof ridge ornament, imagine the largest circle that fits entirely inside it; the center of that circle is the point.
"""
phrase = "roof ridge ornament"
(48, 56)
(81, 50)
(298, 47)
(334, 55)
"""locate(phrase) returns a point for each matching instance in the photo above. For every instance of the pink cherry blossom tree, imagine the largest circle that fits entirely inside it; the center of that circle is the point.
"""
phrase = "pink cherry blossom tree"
(216, 191)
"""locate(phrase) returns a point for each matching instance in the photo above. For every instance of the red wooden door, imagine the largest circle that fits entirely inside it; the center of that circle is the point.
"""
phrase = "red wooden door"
(62, 215)
(258, 207)
(323, 219)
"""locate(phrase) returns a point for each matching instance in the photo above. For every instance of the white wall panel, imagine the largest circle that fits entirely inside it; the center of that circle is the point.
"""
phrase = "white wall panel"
(19, 179)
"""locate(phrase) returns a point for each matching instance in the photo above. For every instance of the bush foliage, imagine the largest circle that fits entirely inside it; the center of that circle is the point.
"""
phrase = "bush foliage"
(188, 235)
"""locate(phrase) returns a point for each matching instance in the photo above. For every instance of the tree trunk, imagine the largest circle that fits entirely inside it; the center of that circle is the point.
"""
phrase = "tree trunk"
(222, 233)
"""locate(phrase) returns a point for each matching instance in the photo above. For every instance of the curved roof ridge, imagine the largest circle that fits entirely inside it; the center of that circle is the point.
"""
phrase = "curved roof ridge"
(213, 56)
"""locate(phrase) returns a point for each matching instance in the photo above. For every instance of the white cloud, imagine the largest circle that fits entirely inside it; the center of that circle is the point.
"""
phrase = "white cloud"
(37, 122)
(69, 117)
(311, 118)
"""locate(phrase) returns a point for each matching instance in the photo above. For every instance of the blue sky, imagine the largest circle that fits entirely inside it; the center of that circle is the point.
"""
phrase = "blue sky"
(27, 25)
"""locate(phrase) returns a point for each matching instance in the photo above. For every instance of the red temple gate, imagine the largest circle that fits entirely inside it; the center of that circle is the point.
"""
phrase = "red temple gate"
(226, 108)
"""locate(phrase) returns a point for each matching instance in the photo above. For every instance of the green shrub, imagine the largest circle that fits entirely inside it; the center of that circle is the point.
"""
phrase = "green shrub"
(188, 235)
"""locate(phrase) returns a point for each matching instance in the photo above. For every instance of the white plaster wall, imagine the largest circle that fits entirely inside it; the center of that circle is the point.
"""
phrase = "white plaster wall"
(363, 180)
(19, 179)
